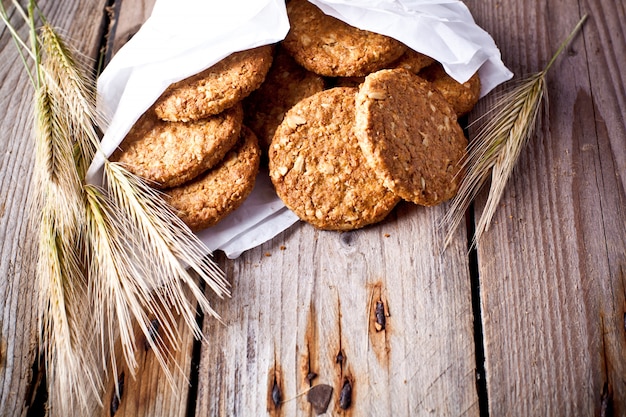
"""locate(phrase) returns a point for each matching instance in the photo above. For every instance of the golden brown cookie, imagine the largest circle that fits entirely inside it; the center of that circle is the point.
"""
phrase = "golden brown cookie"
(410, 136)
(286, 84)
(463, 97)
(330, 47)
(216, 88)
(170, 153)
(209, 198)
(318, 169)
(412, 61)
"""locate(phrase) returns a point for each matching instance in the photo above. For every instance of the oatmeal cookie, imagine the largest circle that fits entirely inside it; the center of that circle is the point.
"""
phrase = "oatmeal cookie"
(410, 136)
(209, 198)
(217, 88)
(170, 153)
(330, 47)
(462, 97)
(286, 84)
(318, 169)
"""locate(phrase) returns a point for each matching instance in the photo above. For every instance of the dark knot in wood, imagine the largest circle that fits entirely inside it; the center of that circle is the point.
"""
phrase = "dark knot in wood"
(345, 396)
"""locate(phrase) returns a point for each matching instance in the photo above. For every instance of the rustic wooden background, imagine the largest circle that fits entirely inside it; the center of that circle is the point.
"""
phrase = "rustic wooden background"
(533, 323)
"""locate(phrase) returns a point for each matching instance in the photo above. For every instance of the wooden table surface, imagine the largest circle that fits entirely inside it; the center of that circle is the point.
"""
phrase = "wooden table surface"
(533, 323)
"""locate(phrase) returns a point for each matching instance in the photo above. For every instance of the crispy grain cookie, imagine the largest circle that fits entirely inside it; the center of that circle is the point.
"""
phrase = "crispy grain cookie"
(209, 198)
(318, 169)
(332, 48)
(286, 84)
(216, 88)
(410, 136)
(170, 153)
(462, 97)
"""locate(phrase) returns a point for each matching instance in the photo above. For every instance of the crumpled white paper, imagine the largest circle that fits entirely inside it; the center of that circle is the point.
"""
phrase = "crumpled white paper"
(442, 29)
(184, 37)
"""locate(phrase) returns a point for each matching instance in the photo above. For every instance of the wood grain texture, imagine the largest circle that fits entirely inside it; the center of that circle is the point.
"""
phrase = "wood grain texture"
(305, 303)
(150, 392)
(18, 333)
(127, 18)
(552, 268)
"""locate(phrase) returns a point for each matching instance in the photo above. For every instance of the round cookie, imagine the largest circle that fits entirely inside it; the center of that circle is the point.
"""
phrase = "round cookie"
(286, 84)
(318, 169)
(216, 88)
(462, 97)
(410, 136)
(170, 153)
(331, 47)
(209, 198)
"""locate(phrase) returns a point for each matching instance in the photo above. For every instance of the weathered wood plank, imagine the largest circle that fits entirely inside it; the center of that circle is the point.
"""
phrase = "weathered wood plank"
(149, 392)
(552, 268)
(18, 334)
(305, 303)
(127, 20)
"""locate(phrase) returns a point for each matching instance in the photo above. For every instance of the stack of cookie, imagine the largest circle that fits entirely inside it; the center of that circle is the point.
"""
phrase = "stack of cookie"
(343, 158)
(192, 142)
(352, 122)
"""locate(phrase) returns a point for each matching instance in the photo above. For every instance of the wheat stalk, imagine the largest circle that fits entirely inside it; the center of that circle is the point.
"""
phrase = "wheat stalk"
(168, 247)
(72, 370)
(494, 151)
(76, 91)
(120, 247)
(138, 250)
(56, 212)
(61, 281)
(61, 284)
(63, 329)
(116, 283)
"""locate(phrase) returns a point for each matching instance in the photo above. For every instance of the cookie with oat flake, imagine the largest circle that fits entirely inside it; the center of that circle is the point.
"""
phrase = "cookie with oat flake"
(463, 97)
(318, 169)
(217, 88)
(330, 47)
(286, 83)
(167, 154)
(410, 136)
(209, 198)
(412, 61)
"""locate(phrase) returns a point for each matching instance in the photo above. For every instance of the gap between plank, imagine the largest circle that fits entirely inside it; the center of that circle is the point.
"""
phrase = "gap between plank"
(194, 370)
(107, 34)
(479, 347)
(37, 393)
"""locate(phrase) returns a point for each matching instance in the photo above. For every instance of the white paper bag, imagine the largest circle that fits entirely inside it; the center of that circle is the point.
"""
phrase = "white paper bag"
(184, 37)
